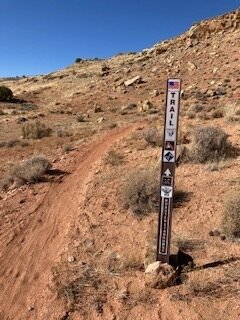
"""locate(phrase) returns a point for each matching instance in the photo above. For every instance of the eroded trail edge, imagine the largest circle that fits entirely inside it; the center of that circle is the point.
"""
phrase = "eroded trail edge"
(27, 259)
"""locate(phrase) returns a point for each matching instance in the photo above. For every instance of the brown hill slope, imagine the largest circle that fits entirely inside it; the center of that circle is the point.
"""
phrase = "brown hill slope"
(70, 247)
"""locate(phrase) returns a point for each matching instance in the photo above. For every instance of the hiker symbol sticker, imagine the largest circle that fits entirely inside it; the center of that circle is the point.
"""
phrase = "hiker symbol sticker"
(166, 192)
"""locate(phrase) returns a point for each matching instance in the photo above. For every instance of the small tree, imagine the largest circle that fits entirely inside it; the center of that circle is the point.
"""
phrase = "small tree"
(5, 93)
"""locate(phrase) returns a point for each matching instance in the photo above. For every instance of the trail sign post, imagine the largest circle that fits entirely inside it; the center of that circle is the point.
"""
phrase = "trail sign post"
(168, 169)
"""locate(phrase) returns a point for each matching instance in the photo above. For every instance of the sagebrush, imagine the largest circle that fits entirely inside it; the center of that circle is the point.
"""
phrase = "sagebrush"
(29, 171)
(36, 130)
(210, 144)
(140, 191)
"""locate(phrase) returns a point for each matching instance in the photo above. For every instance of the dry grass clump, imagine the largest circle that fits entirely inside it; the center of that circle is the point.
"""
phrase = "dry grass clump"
(36, 130)
(231, 216)
(210, 144)
(153, 137)
(231, 112)
(202, 283)
(140, 191)
(29, 171)
(79, 287)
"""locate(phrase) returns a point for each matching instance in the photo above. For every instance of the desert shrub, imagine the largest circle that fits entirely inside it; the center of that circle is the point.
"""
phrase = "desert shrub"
(24, 143)
(80, 118)
(184, 134)
(113, 158)
(195, 108)
(190, 115)
(153, 137)
(36, 130)
(186, 244)
(201, 96)
(5, 93)
(6, 182)
(210, 144)
(77, 60)
(231, 216)
(12, 143)
(63, 133)
(29, 171)
(28, 107)
(140, 191)
(203, 116)
(67, 148)
(21, 120)
(113, 125)
(216, 114)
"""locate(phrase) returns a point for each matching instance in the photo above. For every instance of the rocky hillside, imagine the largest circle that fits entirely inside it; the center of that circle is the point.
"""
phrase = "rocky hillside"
(206, 58)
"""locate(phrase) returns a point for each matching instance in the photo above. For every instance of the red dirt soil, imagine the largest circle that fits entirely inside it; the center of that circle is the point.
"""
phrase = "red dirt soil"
(28, 256)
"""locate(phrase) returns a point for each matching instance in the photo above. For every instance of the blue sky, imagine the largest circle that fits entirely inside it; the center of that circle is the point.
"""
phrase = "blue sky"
(40, 36)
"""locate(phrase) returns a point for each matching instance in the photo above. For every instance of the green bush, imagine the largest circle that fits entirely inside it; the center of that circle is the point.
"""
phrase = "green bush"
(5, 93)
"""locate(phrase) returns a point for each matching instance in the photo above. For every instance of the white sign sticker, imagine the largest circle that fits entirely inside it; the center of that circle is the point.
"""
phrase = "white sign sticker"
(172, 110)
(166, 192)
(170, 134)
(168, 156)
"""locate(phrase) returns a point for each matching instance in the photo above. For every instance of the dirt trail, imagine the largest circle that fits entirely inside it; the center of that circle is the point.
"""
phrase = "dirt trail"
(26, 264)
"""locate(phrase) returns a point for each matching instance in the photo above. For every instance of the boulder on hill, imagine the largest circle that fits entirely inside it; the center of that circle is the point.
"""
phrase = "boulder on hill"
(130, 82)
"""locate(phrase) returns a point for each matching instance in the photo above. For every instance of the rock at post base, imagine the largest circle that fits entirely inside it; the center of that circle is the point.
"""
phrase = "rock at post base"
(160, 275)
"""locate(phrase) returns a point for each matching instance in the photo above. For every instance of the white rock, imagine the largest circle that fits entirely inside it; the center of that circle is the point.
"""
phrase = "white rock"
(71, 259)
(191, 66)
(129, 82)
(153, 267)
(101, 119)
